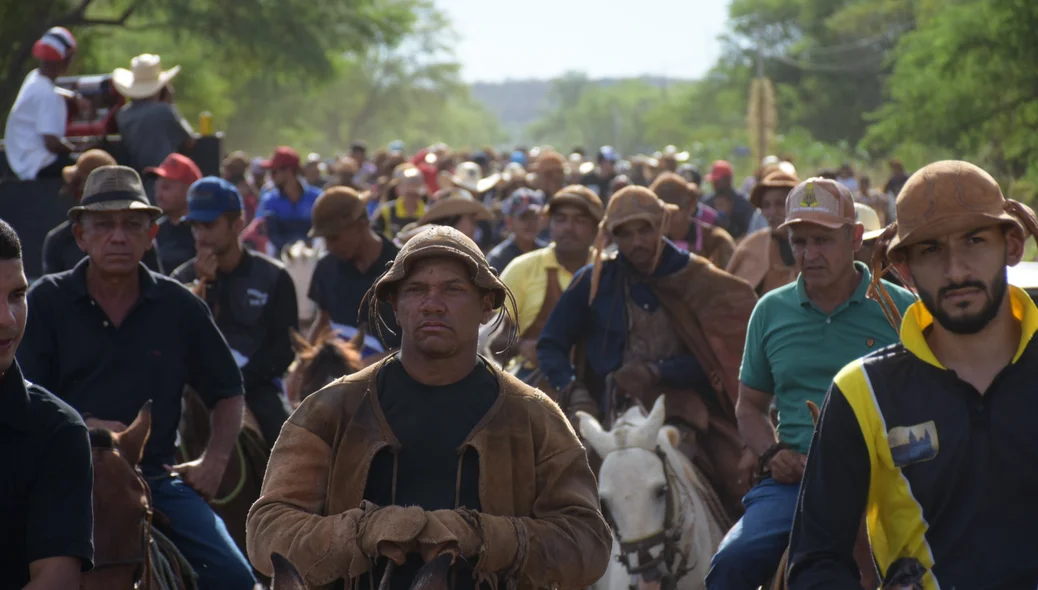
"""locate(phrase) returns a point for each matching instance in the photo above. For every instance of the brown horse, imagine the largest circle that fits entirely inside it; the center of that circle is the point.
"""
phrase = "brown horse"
(319, 363)
(244, 475)
(122, 507)
(434, 575)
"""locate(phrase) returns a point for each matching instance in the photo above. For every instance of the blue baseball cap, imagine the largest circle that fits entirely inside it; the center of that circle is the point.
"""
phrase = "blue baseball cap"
(211, 197)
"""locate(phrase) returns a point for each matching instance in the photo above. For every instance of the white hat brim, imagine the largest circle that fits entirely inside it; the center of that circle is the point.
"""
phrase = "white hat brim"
(127, 84)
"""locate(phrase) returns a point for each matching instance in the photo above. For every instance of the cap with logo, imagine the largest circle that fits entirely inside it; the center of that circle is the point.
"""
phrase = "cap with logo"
(113, 188)
(820, 201)
(176, 167)
(334, 209)
(284, 158)
(211, 197)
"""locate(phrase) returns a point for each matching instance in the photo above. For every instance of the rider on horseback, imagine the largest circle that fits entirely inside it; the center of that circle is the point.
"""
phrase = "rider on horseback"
(538, 278)
(798, 338)
(45, 505)
(109, 335)
(250, 295)
(655, 319)
(432, 451)
(933, 438)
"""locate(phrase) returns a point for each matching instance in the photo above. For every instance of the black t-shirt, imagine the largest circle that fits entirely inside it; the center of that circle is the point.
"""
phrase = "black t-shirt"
(431, 423)
(46, 507)
(61, 252)
(167, 340)
(176, 244)
(338, 288)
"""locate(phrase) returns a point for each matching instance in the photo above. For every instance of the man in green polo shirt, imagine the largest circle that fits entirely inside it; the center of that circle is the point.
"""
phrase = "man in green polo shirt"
(799, 337)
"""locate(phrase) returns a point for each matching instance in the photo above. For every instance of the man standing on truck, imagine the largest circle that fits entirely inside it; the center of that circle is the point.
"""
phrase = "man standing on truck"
(34, 137)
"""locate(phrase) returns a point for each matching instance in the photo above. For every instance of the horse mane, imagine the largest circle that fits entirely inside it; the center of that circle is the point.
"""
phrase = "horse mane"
(698, 481)
(101, 438)
(329, 343)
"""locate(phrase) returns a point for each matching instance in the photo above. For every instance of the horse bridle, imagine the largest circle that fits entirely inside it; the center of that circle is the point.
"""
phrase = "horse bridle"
(667, 538)
(143, 561)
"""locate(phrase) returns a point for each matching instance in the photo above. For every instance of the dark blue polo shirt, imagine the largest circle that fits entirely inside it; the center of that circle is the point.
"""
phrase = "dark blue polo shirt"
(46, 507)
(167, 341)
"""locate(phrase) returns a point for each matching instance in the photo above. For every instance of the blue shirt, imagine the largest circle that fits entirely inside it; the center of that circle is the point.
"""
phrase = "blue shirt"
(603, 324)
(286, 222)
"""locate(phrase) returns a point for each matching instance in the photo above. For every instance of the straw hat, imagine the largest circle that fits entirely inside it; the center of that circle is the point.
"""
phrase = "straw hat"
(145, 78)
(114, 188)
(869, 219)
(469, 176)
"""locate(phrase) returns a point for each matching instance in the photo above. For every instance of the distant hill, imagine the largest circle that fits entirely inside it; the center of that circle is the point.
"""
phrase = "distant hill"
(517, 103)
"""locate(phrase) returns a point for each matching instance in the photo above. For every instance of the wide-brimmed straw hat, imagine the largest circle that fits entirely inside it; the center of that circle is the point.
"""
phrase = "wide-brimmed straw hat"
(469, 176)
(114, 188)
(869, 219)
(145, 78)
(459, 203)
(441, 241)
(947, 197)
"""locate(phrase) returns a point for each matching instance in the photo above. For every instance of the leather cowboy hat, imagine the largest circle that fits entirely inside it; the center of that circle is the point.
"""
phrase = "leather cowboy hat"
(947, 197)
(775, 179)
(460, 202)
(145, 78)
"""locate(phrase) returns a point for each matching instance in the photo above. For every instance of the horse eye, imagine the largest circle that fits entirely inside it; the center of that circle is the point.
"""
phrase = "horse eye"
(661, 491)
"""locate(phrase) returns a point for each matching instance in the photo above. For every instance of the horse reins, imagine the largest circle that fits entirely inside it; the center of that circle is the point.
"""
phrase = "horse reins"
(143, 575)
(667, 538)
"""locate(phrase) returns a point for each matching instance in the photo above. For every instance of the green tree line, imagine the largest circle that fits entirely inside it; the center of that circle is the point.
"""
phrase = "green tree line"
(315, 74)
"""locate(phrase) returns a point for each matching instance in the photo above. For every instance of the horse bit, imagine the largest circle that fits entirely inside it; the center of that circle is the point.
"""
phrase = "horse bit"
(667, 538)
(143, 561)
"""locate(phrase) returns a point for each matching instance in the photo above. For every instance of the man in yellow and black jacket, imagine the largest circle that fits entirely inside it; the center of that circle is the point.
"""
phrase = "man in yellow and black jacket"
(934, 438)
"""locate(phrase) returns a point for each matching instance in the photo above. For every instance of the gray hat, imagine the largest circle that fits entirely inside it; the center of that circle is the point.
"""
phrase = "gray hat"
(114, 188)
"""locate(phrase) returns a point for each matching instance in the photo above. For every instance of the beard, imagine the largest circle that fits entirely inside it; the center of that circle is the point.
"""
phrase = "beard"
(975, 322)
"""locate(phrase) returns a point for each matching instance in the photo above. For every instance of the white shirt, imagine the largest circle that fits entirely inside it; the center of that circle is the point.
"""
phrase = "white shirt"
(39, 110)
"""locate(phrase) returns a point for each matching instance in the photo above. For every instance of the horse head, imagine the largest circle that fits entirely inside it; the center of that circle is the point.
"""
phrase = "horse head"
(122, 505)
(318, 364)
(650, 496)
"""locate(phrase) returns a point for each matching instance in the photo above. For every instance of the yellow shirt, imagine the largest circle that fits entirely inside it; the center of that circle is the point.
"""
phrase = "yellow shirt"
(527, 278)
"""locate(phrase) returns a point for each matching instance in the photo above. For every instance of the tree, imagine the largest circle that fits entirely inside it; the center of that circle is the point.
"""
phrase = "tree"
(287, 39)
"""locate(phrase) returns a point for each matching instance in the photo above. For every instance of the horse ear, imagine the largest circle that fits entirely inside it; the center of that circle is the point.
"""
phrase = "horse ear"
(299, 343)
(600, 441)
(815, 411)
(669, 435)
(286, 576)
(132, 440)
(357, 342)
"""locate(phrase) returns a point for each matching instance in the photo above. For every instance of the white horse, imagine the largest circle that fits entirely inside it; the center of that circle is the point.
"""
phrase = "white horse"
(667, 522)
(300, 261)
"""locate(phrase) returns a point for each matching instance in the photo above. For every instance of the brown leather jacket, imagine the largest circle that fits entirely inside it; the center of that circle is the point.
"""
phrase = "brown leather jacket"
(541, 523)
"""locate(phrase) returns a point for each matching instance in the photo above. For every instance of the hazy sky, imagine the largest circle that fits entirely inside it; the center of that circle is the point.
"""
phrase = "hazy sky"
(502, 39)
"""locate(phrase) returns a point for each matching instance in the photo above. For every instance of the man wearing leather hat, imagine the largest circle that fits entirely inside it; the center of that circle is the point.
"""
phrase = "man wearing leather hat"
(933, 438)
(432, 451)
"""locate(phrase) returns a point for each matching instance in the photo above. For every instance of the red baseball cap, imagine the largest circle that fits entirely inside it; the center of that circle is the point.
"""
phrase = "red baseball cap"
(176, 167)
(284, 158)
(720, 169)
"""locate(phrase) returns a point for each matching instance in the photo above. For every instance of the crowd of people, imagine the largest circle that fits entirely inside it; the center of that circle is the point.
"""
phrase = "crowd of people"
(606, 282)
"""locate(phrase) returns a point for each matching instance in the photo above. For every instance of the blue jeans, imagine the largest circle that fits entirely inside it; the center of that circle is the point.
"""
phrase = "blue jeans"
(750, 553)
(199, 534)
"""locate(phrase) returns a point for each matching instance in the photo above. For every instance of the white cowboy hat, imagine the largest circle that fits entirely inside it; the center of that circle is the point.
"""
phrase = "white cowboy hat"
(468, 175)
(145, 78)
